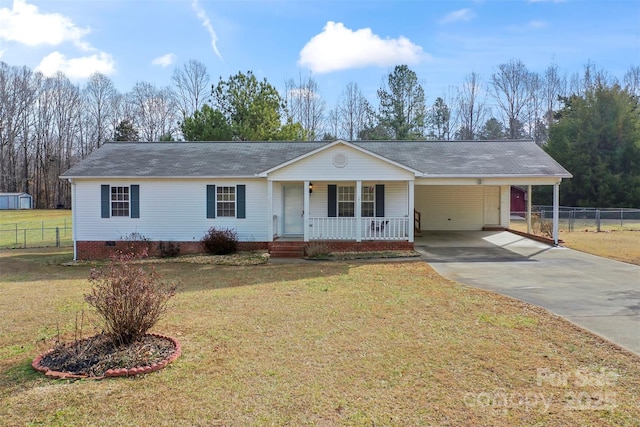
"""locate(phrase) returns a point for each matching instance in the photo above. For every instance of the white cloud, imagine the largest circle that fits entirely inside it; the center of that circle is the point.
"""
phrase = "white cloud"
(340, 48)
(206, 23)
(458, 16)
(531, 25)
(164, 60)
(76, 68)
(24, 24)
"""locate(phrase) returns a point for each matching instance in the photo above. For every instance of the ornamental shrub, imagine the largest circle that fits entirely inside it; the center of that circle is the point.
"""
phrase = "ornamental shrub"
(129, 299)
(221, 241)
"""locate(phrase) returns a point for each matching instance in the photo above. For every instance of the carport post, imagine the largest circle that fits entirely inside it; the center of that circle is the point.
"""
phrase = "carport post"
(529, 209)
(556, 203)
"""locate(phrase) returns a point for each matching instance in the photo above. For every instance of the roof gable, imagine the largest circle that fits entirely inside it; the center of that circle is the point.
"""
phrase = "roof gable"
(341, 162)
(336, 143)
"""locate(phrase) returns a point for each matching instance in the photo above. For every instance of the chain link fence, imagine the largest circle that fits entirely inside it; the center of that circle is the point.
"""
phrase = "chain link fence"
(54, 233)
(582, 219)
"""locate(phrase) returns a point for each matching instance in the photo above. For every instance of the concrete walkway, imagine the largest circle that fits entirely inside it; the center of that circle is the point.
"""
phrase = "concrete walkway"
(598, 294)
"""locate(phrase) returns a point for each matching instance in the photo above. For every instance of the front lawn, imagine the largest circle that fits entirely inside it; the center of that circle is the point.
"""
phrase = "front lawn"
(316, 343)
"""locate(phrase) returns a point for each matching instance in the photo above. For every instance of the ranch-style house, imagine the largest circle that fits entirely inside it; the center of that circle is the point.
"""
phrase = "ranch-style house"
(361, 195)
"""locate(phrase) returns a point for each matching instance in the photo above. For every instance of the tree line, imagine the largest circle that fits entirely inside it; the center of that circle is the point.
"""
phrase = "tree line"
(47, 124)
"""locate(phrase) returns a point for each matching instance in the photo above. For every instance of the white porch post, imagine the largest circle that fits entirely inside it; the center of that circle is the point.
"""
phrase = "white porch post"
(556, 212)
(305, 222)
(270, 210)
(358, 211)
(529, 196)
(411, 207)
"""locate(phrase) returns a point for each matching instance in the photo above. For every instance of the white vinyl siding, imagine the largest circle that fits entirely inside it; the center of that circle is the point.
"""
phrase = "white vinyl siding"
(173, 210)
(358, 165)
(450, 207)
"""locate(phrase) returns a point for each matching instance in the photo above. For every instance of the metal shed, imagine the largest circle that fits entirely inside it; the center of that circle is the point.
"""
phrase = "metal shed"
(15, 201)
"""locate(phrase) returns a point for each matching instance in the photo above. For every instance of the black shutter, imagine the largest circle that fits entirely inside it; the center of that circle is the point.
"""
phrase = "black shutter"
(211, 201)
(332, 201)
(105, 202)
(379, 200)
(135, 201)
(241, 205)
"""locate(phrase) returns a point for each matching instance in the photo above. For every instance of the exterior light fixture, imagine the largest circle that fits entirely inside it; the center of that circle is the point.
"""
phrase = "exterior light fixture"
(310, 187)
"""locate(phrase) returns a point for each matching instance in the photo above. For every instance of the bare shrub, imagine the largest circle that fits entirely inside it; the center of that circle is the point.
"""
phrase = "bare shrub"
(220, 241)
(317, 249)
(129, 299)
(168, 249)
(137, 244)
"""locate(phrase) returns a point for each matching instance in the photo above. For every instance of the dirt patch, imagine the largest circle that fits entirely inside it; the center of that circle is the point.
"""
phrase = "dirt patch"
(100, 356)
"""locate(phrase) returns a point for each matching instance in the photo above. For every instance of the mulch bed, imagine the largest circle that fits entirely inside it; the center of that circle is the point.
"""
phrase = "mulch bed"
(99, 356)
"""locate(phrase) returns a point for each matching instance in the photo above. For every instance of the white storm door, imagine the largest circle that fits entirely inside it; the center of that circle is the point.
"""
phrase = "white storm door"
(293, 209)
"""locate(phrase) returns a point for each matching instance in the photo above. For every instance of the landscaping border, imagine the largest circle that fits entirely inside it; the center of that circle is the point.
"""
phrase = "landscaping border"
(111, 373)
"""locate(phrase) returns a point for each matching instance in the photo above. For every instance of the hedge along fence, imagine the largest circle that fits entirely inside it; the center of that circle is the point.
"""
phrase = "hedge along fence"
(592, 219)
(27, 235)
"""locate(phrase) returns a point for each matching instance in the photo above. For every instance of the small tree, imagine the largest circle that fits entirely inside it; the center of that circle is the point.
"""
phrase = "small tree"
(129, 299)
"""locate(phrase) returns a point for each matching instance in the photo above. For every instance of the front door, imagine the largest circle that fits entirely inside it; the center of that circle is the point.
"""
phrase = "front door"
(293, 199)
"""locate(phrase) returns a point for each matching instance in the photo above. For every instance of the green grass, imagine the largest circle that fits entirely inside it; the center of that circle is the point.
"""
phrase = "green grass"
(314, 343)
(34, 228)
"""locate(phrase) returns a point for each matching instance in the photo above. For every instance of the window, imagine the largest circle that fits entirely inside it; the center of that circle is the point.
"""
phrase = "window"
(226, 201)
(368, 201)
(346, 201)
(119, 201)
(341, 201)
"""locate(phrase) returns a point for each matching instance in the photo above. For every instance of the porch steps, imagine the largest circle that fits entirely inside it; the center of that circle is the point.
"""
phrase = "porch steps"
(286, 249)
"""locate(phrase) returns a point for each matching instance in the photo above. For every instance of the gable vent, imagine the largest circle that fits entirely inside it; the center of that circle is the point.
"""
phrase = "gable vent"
(340, 160)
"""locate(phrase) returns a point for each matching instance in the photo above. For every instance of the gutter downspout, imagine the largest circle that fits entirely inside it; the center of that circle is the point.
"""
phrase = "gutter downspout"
(73, 219)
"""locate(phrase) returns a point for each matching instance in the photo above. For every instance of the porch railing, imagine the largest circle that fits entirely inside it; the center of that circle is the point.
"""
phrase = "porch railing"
(386, 228)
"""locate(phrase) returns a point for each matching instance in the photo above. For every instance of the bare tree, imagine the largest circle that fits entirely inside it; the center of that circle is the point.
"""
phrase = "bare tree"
(192, 85)
(331, 125)
(17, 93)
(510, 87)
(352, 111)
(632, 81)
(471, 108)
(154, 111)
(306, 105)
(98, 99)
(553, 86)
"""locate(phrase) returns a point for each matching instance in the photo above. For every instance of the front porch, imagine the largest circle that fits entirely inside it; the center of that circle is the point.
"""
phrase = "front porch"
(345, 211)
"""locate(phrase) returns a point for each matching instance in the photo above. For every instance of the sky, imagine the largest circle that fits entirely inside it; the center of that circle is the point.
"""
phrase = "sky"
(335, 42)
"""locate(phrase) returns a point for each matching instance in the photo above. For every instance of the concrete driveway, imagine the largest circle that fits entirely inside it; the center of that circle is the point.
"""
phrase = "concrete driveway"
(598, 294)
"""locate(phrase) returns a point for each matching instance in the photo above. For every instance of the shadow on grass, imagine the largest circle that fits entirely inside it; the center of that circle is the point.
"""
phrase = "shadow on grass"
(45, 264)
(192, 278)
(25, 265)
(18, 376)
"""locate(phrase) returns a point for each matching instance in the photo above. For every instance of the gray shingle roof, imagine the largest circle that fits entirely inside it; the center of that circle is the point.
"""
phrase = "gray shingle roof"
(245, 159)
